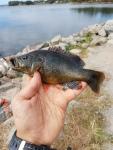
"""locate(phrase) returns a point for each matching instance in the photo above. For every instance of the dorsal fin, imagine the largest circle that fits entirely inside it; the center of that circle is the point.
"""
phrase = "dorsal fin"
(76, 59)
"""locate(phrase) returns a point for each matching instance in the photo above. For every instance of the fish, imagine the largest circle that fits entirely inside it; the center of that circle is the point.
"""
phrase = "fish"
(57, 67)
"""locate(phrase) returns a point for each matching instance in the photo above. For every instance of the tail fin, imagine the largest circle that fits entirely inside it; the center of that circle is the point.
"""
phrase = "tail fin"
(95, 80)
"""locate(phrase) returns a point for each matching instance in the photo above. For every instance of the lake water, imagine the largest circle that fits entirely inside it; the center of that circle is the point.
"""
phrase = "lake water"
(27, 25)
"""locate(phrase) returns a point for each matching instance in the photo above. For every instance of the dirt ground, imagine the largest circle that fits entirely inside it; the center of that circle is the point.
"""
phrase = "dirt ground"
(101, 58)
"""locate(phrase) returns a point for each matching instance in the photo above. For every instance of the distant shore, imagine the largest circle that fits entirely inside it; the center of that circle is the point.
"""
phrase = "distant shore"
(29, 2)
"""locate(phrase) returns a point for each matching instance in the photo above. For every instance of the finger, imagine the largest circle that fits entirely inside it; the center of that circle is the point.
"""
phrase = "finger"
(1, 102)
(71, 94)
(32, 88)
(4, 102)
(59, 86)
(26, 79)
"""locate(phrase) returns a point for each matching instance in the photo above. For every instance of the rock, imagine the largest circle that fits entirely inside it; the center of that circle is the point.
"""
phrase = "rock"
(9, 122)
(45, 48)
(110, 41)
(75, 51)
(94, 28)
(3, 67)
(4, 115)
(20, 53)
(33, 48)
(76, 34)
(73, 42)
(1, 75)
(62, 45)
(109, 26)
(25, 50)
(46, 44)
(56, 39)
(68, 40)
(84, 32)
(110, 36)
(79, 39)
(85, 45)
(97, 40)
(81, 33)
(102, 32)
(13, 74)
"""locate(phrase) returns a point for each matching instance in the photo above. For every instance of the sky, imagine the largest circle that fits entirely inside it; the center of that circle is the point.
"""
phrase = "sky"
(3, 2)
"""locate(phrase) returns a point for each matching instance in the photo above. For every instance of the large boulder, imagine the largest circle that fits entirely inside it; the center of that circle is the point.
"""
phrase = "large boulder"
(109, 26)
(98, 40)
(102, 32)
(110, 36)
(94, 29)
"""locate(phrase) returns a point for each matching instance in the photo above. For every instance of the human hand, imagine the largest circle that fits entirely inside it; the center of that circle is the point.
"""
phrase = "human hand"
(39, 110)
(5, 104)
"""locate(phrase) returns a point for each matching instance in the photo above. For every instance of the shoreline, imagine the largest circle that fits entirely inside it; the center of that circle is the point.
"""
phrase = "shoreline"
(74, 3)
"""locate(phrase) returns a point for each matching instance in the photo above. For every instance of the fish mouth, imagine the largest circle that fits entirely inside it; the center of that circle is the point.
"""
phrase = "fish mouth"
(14, 64)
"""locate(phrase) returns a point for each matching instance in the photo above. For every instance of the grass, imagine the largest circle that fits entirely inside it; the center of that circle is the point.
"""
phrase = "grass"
(87, 38)
(85, 124)
(4, 133)
(83, 53)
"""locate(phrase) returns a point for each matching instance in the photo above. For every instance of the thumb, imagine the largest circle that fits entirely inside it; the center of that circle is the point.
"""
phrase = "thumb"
(32, 87)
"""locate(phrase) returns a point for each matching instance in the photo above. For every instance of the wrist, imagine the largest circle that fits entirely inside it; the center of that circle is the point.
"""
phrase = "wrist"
(28, 138)
(35, 138)
(17, 143)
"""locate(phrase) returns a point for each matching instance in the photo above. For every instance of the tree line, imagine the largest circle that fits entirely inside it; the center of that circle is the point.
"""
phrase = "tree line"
(15, 3)
(29, 2)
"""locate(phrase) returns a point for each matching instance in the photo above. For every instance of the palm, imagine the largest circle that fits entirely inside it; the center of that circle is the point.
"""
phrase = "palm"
(42, 111)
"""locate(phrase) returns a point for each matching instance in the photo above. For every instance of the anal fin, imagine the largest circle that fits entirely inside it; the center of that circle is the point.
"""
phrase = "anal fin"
(71, 85)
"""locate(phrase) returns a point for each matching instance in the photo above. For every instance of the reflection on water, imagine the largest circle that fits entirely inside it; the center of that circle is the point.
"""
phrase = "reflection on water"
(92, 11)
(21, 26)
